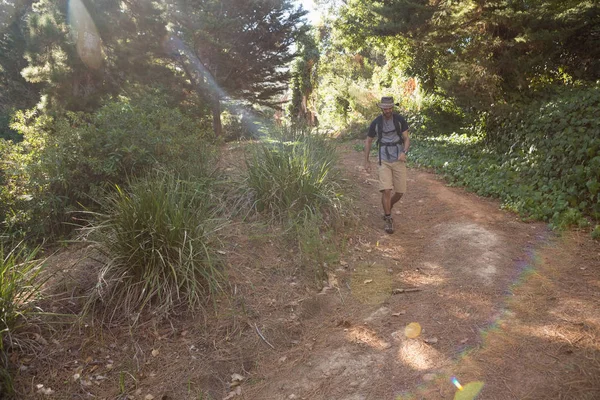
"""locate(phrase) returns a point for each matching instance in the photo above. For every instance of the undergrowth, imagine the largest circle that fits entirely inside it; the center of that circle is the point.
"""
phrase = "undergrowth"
(541, 159)
(293, 175)
(160, 237)
(19, 289)
(293, 179)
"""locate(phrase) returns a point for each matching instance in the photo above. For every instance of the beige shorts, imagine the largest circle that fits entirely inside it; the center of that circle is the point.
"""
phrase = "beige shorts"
(392, 176)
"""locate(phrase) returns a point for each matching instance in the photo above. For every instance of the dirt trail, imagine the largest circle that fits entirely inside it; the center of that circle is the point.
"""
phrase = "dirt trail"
(499, 301)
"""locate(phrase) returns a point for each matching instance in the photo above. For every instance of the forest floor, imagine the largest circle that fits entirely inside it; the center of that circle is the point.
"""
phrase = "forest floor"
(502, 305)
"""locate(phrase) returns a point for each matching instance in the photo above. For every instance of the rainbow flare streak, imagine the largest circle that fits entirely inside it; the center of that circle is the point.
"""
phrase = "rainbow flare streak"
(456, 383)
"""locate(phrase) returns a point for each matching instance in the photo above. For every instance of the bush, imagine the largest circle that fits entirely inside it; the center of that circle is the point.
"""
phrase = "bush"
(159, 238)
(19, 288)
(290, 178)
(542, 161)
(435, 115)
(66, 161)
(555, 144)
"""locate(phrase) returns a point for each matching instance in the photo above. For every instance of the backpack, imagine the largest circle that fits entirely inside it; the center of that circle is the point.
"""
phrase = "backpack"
(379, 130)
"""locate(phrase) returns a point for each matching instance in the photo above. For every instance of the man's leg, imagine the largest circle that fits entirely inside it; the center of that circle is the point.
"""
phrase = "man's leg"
(395, 198)
(386, 185)
(386, 201)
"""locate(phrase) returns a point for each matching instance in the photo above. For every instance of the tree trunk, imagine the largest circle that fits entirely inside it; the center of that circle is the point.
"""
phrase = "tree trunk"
(216, 113)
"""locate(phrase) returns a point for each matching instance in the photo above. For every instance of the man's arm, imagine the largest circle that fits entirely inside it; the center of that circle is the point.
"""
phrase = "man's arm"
(406, 141)
(368, 142)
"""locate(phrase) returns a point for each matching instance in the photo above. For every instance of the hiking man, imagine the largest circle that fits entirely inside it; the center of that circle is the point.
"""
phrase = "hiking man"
(391, 130)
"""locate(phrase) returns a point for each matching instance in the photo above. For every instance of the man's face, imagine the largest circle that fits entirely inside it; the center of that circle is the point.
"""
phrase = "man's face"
(387, 112)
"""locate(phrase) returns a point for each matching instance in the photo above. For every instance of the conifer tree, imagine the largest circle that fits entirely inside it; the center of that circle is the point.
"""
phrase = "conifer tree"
(243, 47)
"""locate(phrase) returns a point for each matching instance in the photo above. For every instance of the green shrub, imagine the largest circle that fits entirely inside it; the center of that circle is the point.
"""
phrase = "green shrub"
(291, 178)
(435, 115)
(317, 246)
(19, 288)
(542, 161)
(66, 161)
(159, 239)
(596, 232)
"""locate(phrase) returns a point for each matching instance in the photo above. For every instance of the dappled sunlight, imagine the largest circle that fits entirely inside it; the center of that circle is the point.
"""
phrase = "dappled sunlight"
(430, 275)
(394, 252)
(371, 283)
(560, 334)
(588, 309)
(418, 355)
(361, 334)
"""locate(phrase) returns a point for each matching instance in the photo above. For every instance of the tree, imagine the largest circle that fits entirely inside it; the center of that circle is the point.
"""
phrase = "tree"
(236, 49)
(16, 93)
(304, 79)
(480, 51)
(81, 52)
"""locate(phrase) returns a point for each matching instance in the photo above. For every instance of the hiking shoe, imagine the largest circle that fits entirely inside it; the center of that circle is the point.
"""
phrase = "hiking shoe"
(389, 224)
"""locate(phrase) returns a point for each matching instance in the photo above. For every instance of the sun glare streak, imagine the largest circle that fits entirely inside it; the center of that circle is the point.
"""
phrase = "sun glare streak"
(175, 45)
(85, 34)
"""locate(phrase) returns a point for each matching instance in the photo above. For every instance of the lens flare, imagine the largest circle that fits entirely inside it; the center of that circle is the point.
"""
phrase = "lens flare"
(469, 392)
(456, 383)
(85, 35)
(412, 330)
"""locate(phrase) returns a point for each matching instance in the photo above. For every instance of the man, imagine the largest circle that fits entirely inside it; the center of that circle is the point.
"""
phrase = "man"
(391, 130)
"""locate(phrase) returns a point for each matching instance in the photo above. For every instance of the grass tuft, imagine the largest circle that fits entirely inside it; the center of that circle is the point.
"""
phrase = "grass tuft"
(294, 175)
(159, 239)
(19, 289)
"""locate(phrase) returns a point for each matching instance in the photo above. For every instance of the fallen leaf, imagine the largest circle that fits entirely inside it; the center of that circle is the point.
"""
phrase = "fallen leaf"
(368, 281)
(221, 252)
(149, 397)
(399, 313)
(155, 352)
(432, 340)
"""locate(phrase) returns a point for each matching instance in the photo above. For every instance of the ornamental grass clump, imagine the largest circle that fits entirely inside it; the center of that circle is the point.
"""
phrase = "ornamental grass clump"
(19, 289)
(289, 179)
(159, 240)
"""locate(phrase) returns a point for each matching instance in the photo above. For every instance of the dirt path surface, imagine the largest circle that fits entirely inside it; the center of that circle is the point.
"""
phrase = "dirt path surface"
(500, 303)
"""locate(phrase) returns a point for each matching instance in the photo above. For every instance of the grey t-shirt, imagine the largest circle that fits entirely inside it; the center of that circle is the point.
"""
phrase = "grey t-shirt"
(389, 135)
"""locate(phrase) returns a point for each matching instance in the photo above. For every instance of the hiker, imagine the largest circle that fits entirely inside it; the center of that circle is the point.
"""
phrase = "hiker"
(393, 142)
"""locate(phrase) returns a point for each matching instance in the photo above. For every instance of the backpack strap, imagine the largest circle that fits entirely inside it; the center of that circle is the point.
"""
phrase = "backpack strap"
(379, 130)
(396, 119)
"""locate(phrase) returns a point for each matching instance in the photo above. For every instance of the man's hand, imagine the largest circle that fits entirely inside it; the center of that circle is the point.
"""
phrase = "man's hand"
(402, 157)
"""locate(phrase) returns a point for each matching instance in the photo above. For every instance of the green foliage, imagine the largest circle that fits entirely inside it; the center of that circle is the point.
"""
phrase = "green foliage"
(317, 245)
(294, 175)
(304, 80)
(159, 238)
(435, 115)
(234, 128)
(596, 232)
(19, 288)
(478, 52)
(66, 161)
(542, 160)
